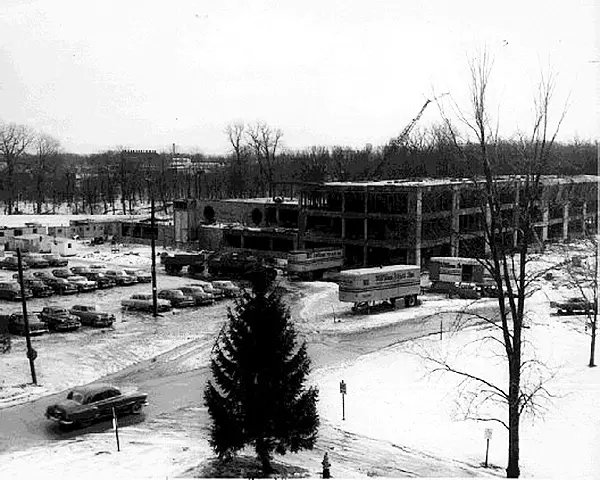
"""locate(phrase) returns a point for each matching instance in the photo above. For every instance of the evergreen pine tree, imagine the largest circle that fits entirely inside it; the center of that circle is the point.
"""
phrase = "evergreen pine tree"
(257, 394)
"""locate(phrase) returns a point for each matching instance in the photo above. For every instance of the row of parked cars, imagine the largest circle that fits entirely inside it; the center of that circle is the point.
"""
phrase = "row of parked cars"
(64, 281)
(33, 260)
(61, 319)
(58, 319)
(195, 294)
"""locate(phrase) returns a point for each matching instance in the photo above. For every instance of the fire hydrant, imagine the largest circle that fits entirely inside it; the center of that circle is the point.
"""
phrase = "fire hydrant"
(326, 465)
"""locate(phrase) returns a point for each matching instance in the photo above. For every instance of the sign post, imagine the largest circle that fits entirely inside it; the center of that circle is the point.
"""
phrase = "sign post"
(488, 436)
(343, 392)
(116, 428)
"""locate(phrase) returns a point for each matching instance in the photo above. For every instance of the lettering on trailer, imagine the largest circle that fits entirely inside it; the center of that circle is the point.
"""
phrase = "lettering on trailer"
(393, 276)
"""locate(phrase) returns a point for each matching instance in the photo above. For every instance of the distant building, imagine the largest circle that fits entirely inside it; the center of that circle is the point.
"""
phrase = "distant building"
(384, 222)
(9, 233)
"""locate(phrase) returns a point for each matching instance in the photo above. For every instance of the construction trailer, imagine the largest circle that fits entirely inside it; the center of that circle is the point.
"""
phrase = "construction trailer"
(365, 287)
(312, 264)
(445, 272)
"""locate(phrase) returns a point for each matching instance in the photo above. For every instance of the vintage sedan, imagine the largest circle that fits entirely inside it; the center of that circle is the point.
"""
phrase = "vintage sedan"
(198, 294)
(61, 285)
(177, 298)
(12, 263)
(144, 302)
(102, 280)
(16, 324)
(120, 277)
(61, 273)
(229, 288)
(35, 260)
(140, 275)
(86, 405)
(90, 315)
(59, 319)
(56, 260)
(82, 283)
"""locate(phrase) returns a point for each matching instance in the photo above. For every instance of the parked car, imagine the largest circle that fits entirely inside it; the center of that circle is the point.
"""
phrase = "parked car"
(59, 319)
(12, 291)
(43, 275)
(79, 270)
(82, 283)
(574, 305)
(16, 324)
(61, 285)
(35, 260)
(56, 260)
(97, 266)
(120, 277)
(229, 288)
(38, 288)
(102, 280)
(90, 315)
(61, 273)
(85, 405)
(465, 290)
(217, 293)
(198, 294)
(177, 298)
(139, 275)
(144, 302)
(12, 263)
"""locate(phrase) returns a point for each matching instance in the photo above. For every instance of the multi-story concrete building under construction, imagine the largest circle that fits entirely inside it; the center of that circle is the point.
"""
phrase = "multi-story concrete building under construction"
(407, 222)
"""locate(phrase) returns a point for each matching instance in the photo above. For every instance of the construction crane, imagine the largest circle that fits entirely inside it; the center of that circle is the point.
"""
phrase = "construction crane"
(400, 140)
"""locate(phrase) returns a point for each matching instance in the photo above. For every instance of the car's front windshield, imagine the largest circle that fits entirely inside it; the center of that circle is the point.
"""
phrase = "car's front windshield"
(76, 397)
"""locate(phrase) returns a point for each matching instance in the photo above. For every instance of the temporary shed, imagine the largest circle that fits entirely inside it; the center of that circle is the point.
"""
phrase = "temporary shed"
(65, 247)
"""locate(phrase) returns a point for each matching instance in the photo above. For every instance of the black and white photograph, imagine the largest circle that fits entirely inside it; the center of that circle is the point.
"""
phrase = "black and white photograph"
(284, 239)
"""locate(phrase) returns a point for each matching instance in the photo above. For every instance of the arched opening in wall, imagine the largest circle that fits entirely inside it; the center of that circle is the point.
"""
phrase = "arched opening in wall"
(209, 214)
(257, 216)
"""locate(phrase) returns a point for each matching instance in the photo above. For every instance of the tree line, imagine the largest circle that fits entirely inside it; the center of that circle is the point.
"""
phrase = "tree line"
(37, 171)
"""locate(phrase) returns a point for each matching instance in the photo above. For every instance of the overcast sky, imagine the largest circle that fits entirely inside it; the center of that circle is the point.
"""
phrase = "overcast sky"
(146, 74)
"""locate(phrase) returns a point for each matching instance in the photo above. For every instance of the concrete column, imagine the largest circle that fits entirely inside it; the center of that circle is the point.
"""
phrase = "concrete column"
(366, 229)
(301, 229)
(566, 221)
(366, 241)
(418, 225)
(455, 235)
(545, 218)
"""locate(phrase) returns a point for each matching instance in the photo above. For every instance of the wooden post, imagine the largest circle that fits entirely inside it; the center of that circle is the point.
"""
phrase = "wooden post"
(31, 353)
(116, 428)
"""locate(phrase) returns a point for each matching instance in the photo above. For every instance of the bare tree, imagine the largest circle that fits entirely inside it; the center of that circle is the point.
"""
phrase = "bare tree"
(46, 151)
(583, 277)
(14, 141)
(264, 142)
(235, 134)
(507, 263)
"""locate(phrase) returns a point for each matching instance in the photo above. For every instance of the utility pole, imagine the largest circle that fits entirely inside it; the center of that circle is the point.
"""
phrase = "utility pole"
(153, 250)
(31, 353)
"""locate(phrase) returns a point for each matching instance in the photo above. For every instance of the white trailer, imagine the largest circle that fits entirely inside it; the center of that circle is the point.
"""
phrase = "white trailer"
(366, 286)
(311, 264)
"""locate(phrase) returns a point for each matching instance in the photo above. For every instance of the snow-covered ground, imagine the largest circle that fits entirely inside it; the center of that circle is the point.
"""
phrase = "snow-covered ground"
(401, 419)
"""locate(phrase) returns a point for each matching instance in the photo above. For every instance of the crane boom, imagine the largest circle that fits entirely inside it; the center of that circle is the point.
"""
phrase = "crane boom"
(400, 139)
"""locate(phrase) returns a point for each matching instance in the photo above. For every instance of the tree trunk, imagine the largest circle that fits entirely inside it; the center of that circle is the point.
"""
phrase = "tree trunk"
(512, 470)
(264, 457)
(593, 340)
